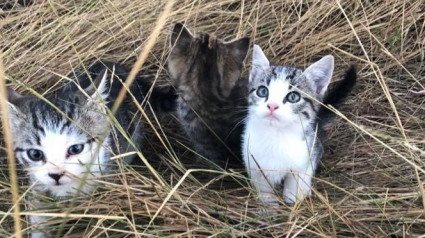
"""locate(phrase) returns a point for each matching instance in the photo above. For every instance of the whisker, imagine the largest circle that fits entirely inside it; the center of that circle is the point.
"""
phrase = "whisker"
(242, 120)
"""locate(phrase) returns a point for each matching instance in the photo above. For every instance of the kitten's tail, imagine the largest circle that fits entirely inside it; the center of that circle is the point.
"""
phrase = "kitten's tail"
(337, 95)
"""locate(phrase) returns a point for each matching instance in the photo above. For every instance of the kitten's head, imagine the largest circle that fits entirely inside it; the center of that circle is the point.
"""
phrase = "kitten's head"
(54, 150)
(205, 65)
(282, 95)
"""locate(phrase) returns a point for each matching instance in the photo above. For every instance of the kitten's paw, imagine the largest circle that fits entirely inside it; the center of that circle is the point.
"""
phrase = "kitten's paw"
(290, 199)
(289, 203)
(266, 212)
(38, 235)
(269, 199)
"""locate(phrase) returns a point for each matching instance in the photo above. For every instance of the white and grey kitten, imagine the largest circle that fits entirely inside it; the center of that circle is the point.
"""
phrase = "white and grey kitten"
(59, 145)
(282, 138)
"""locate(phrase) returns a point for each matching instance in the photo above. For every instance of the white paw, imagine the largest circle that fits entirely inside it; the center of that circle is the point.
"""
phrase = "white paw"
(290, 198)
(267, 211)
(37, 235)
(269, 199)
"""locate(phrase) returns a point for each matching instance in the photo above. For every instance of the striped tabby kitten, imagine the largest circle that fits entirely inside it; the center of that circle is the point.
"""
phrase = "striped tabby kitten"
(206, 72)
(283, 134)
(59, 149)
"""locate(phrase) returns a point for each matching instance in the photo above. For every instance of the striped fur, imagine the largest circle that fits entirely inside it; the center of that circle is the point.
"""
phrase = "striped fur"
(72, 118)
(206, 72)
(282, 138)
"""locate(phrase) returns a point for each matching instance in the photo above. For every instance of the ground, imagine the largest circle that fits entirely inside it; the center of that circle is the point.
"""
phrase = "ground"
(371, 179)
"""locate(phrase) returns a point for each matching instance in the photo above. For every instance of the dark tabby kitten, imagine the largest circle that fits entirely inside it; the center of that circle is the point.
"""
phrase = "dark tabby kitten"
(206, 71)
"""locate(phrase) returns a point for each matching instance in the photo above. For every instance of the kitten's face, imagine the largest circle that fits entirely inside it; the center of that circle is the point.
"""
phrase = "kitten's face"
(283, 96)
(205, 65)
(55, 151)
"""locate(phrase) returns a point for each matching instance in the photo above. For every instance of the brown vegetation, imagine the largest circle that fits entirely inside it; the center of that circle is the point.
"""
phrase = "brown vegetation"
(371, 181)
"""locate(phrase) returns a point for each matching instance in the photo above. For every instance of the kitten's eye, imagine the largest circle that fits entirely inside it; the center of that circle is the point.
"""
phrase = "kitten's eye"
(262, 91)
(75, 149)
(35, 155)
(293, 97)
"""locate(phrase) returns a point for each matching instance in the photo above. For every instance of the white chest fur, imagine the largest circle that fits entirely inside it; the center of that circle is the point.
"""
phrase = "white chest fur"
(280, 153)
(276, 150)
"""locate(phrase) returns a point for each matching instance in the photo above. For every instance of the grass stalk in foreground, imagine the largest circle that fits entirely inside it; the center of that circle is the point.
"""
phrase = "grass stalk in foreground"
(9, 150)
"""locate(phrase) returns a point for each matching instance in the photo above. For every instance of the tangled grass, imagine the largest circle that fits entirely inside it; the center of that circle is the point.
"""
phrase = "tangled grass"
(371, 180)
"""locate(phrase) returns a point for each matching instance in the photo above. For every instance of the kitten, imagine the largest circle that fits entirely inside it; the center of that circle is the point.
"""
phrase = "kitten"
(58, 149)
(283, 134)
(206, 72)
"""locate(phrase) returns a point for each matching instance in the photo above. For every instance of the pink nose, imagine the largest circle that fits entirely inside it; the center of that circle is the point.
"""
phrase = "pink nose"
(272, 107)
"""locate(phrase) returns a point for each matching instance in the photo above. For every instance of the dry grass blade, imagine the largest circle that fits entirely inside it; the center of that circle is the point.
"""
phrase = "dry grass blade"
(372, 176)
(144, 53)
(10, 154)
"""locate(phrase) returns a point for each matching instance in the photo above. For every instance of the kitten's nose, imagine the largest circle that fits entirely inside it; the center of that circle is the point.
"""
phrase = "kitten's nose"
(55, 176)
(272, 107)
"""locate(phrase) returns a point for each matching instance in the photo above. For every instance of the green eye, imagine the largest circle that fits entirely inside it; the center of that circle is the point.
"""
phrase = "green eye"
(35, 155)
(293, 97)
(75, 149)
(262, 91)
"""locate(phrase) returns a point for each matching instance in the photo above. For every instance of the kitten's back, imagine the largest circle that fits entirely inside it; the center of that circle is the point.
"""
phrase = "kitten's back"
(206, 71)
(161, 101)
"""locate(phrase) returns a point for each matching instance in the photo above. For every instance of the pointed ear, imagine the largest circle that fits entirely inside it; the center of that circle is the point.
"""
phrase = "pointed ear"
(98, 90)
(180, 36)
(259, 58)
(238, 48)
(259, 64)
(320, 73)
(12, 95)
(12, 99)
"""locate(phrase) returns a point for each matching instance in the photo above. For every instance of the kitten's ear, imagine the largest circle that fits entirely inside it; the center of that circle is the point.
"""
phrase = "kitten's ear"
(259, 59)
(12, 99)
(320, 73)
(230, 63)
(12, 95)
(98, 90)
(14, 112)
(180, 36)
(238, 48)
(259, 64)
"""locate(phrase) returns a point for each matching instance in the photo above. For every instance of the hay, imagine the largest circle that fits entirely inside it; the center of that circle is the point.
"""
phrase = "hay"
(371, 179)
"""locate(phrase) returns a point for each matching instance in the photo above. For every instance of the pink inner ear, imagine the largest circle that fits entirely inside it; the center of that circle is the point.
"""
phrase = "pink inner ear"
(320, 73)
(320, 79)
(259, 59)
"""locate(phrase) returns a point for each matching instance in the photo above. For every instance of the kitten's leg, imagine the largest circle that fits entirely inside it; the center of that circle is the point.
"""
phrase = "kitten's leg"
(37, 223)
(264, 188)
(297, 185)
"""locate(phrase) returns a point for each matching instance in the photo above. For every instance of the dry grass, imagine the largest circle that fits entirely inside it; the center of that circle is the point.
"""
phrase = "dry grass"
(371, 181)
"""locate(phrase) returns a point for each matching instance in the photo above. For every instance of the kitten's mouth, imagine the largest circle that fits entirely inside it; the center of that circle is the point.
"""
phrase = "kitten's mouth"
(271, 117)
